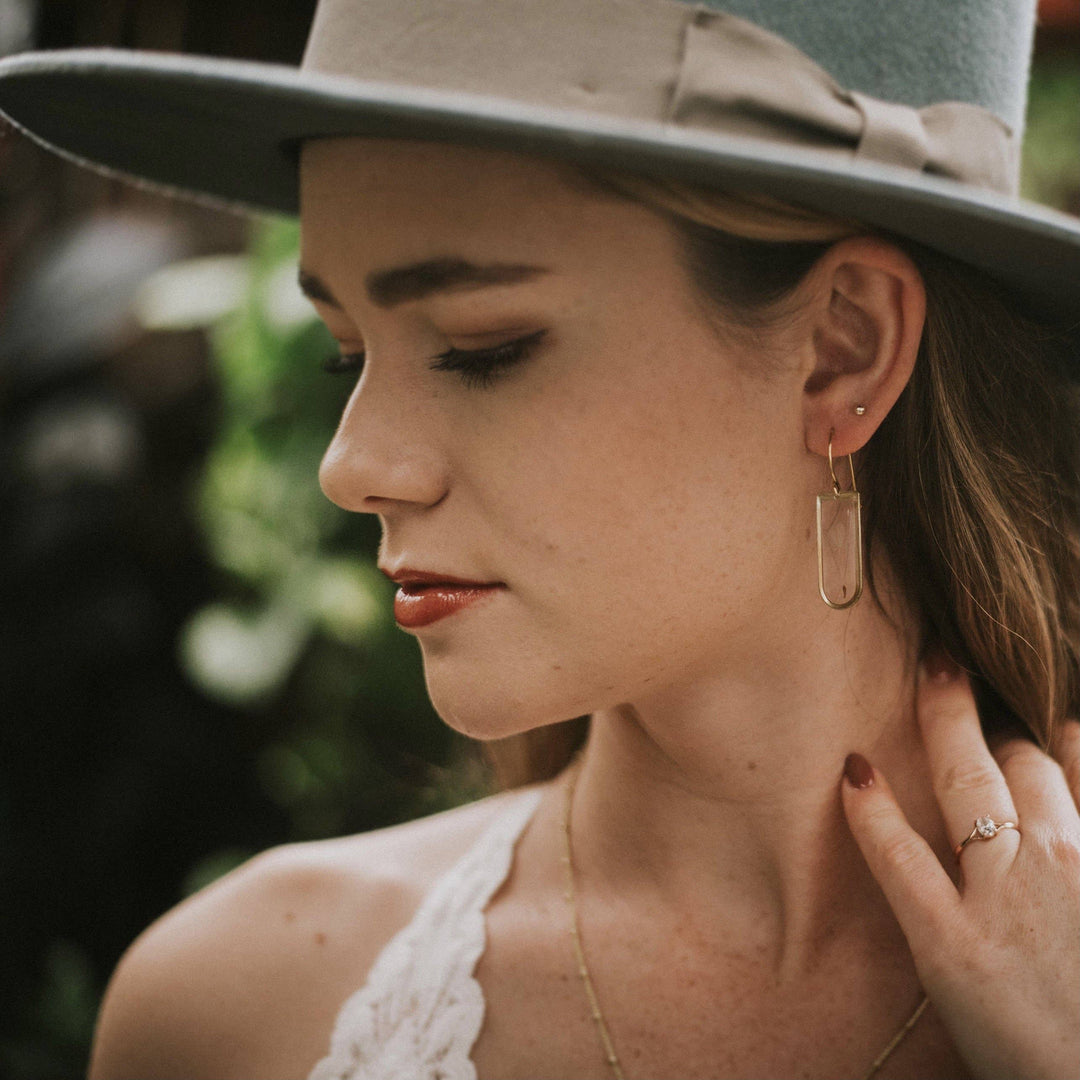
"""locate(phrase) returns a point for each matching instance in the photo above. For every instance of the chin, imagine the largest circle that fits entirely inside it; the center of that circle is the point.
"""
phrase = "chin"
(490, 705)
(487, 712)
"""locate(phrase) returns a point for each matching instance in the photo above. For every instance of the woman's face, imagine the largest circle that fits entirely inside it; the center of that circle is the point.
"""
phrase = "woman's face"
(642, 493)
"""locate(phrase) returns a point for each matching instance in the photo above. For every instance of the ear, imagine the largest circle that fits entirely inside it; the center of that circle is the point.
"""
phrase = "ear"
(866, 315)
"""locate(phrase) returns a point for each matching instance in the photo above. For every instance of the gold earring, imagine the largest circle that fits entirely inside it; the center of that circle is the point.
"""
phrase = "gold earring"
(839, 541)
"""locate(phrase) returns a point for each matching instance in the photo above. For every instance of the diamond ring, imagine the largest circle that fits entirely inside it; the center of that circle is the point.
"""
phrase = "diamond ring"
(986, 828)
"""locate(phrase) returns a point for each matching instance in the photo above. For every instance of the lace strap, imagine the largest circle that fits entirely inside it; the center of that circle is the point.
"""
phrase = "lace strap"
(421, 1009)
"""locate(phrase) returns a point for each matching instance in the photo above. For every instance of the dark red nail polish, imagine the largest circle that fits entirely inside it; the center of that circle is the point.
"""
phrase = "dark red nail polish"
(939, 665)
(858, 771)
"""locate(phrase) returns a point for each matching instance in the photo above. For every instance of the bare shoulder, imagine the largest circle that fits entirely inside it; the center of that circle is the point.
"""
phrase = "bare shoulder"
(246, 977)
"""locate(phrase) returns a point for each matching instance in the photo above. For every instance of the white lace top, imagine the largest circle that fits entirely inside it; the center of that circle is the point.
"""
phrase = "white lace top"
(420, 1011)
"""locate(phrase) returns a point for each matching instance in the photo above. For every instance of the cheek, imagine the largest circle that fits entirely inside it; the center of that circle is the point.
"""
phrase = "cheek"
(643, 477)
(622, 501)
(631, 528)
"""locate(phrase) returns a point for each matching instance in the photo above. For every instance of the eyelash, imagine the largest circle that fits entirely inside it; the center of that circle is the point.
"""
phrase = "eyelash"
(478, 368)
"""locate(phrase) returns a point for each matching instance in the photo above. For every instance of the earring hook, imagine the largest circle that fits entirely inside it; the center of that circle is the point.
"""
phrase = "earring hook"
(832, 472)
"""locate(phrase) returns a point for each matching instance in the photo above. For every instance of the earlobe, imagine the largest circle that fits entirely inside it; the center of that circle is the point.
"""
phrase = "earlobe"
(866, 331)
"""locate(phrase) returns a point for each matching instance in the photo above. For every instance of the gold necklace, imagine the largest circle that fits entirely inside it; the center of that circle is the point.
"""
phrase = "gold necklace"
(586, 980)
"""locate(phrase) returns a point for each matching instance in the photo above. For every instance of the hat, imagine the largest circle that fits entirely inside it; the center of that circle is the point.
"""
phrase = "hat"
(905, 115)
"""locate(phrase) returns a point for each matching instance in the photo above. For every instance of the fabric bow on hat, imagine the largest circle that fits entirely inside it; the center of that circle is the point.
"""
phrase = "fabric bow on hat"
(742, 80)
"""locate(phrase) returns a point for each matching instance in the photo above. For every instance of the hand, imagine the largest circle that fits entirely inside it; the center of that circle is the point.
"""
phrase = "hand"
(999, 957)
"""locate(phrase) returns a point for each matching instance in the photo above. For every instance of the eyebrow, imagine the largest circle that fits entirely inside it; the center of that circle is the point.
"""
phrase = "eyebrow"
(416, 281)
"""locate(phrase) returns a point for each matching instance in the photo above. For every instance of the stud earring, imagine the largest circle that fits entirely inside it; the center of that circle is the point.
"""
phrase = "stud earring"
(839, 541)
(859, 410)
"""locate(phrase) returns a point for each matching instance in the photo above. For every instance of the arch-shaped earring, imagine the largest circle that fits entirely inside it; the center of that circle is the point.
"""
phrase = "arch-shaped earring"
(839, 540)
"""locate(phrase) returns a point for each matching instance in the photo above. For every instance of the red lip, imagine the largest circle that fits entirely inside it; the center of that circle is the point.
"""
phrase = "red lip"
(407, 576)
(424, 597)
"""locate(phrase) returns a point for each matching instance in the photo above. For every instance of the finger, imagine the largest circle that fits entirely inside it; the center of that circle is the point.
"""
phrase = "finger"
(1036, 782)
(916, 886)
(1067, 752)
(965, 777)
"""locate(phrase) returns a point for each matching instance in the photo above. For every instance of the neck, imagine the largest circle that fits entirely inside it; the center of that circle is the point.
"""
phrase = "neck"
(723, 794)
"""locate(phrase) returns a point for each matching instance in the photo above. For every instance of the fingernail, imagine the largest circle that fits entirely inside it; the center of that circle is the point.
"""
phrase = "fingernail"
(858, 771)
(939, 666)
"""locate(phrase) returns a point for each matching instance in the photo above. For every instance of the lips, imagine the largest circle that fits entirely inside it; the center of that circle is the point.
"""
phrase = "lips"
(407, 576)
(424, 597)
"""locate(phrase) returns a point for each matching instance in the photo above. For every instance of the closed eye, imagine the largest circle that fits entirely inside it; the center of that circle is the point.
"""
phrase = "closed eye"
(340, 363)
(477, 368)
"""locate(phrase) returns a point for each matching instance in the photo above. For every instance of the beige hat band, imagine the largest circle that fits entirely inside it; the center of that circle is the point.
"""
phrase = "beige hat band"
(658, 61)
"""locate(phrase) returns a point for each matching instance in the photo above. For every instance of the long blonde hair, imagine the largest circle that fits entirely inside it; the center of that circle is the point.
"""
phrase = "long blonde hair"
(971, 484)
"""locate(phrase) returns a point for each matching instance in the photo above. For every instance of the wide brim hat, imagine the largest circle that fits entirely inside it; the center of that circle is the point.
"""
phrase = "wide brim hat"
(907, 116)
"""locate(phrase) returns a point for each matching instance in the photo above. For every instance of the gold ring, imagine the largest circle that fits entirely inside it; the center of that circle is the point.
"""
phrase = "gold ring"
(986, 828)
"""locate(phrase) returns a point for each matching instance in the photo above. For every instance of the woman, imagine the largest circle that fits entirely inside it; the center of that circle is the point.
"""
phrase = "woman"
(611, 422)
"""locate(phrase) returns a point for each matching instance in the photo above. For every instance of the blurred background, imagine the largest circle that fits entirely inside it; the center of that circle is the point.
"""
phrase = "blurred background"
(198, 659)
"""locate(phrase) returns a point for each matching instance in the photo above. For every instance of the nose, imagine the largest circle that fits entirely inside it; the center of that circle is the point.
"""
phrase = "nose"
(384, 452)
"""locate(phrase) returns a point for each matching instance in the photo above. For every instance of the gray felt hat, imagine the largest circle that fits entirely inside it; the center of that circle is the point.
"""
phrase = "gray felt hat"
(906, 114)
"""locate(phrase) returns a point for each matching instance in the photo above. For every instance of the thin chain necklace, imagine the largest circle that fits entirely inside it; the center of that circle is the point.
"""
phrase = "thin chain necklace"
(586, 980)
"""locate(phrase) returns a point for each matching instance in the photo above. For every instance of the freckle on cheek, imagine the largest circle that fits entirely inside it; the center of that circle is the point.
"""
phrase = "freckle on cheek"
(320, 939)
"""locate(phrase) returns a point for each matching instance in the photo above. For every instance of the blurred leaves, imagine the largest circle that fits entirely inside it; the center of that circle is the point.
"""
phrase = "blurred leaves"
(69, 994)
(212, 867)
(1051, 165)
(65, 1010)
